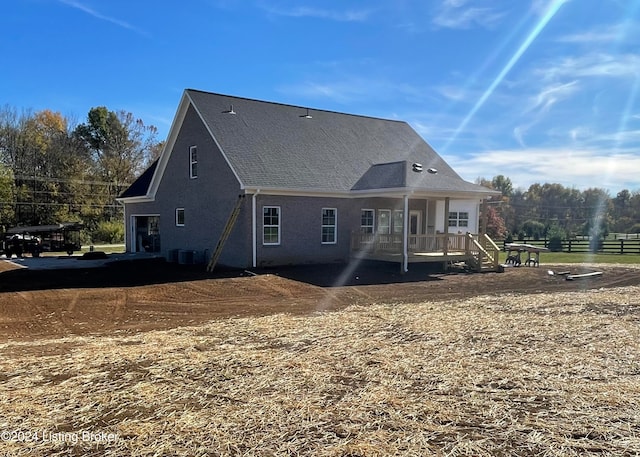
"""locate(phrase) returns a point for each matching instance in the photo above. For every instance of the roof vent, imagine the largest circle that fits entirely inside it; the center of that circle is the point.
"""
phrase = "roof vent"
(306, 116)
(417, 167)
(229, 111)
(433, 171)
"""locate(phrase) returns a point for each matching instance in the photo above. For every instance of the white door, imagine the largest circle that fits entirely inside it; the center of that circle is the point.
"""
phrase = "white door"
(415, 229)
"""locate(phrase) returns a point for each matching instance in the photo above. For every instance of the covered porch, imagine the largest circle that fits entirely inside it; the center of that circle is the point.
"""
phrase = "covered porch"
(478, 251)
(424, 228)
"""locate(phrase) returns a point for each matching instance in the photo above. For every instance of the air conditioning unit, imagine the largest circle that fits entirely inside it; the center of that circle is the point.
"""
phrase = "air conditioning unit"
(186, 257)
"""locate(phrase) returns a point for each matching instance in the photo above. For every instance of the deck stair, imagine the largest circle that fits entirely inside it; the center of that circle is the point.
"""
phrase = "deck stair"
(483, 253)
(233, 217)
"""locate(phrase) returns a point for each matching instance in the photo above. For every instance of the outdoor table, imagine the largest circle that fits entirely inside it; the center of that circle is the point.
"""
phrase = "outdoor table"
(533, 254)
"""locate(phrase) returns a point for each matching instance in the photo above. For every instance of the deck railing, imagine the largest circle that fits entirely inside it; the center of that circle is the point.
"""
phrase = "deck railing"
(382, 243)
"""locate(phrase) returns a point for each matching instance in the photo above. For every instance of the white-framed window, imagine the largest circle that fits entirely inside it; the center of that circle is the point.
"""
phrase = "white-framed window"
(193, 162)
(329, 225)
(458, 219)
(398, 222)
(367, 218)
(271, 225)
(180, 217)
(384, 221)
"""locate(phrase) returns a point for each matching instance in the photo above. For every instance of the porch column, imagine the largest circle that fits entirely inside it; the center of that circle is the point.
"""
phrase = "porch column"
(445, 249)
(405, 236)
(483, 209)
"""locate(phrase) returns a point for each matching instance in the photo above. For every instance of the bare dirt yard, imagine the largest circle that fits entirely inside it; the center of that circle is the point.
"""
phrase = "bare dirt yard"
(144, 358)
(142, 295)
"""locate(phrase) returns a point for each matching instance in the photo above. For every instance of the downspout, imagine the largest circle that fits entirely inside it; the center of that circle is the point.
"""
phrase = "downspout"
(254, 228)
(445, 248)
(405, 236)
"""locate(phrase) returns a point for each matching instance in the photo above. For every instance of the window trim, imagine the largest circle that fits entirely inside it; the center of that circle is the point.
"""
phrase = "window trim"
(454, 219)
(397, 222)
(278, 225)
(334, 226)
(373, 222)
(193, 151)
(178, 211)
(379, 226)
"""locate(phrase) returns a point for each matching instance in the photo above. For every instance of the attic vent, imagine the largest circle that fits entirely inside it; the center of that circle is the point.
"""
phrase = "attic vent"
(229, 111)
(306, 116)
(417, 167)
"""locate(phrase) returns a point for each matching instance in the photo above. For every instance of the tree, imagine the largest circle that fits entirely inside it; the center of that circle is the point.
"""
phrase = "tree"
(495, 223)
(121, 146)
(502, 184)
(533, 229)
(7, 197)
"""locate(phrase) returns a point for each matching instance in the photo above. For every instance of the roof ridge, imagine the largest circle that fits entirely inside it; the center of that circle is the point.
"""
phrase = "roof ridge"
(288, 105)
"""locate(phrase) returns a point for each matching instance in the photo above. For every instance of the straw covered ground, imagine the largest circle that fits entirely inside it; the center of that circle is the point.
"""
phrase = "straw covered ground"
(549, 373)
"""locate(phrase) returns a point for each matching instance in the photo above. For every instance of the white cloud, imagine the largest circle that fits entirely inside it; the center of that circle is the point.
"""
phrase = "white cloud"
(581, 167)
(97, 15)
(550, 95)
(593, 65)
(455, 15)
(319, 13)
(454, 93)
(624, 31)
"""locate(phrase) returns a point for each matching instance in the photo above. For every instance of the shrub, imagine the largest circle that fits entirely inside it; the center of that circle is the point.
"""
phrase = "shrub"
(110, 232)
(556, 235)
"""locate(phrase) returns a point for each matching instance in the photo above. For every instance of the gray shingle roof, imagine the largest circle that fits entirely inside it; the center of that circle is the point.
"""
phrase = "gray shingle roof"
(274, 145)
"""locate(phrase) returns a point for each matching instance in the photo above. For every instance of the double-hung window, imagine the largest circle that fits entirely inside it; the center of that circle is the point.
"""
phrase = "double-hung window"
(193, 162)
(180, 217)
(458, 219)
(270, 225)
(329, 225)
(366, 221)
(398, 222)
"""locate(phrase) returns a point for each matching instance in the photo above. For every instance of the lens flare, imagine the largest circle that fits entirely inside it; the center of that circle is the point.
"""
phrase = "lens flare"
(551, 11)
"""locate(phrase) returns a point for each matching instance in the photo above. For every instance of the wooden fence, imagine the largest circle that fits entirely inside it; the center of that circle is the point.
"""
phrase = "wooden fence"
(630, 246)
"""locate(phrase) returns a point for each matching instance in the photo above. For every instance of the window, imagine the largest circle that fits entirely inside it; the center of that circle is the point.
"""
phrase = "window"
(193, 162)
(329, 224)
(384, 221)
(366, 221)
(398, 222)
(180, 217)
(271, 225)
(460, 219)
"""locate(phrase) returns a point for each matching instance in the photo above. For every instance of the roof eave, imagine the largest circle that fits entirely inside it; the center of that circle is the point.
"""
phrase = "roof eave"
(389, 192)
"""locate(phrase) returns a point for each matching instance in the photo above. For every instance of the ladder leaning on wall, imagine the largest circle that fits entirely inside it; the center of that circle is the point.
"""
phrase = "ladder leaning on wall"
(225, 233)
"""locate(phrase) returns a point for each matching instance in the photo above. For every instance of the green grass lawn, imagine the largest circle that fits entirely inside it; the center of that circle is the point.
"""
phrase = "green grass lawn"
(581, 257)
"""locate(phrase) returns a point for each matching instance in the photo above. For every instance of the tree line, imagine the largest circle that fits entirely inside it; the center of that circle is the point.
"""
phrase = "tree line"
(552, 210)
(53, 170)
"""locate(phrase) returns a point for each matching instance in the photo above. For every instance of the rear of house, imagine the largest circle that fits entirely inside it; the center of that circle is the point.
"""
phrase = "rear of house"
(307, 186)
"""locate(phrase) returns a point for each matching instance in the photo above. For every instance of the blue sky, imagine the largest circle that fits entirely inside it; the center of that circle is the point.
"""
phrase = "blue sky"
(536, 90)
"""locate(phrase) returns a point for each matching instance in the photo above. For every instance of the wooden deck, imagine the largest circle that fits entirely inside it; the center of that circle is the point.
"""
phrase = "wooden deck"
(479, 252)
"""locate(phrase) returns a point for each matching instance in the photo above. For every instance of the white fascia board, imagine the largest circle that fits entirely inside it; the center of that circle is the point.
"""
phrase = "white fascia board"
(384, 193)
(138, 199)
(168, 147)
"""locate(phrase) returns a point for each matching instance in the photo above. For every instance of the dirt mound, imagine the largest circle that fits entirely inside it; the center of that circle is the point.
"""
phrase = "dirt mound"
(138, 296)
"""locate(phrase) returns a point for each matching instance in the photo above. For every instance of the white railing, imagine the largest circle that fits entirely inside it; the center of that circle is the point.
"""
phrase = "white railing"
(382, 243)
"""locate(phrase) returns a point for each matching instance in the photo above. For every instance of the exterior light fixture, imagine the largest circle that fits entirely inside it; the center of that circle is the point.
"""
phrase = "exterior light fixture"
(433, 171)
(417, 167)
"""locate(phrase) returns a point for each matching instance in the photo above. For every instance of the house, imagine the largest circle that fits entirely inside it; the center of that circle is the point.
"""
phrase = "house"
(249, 183)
